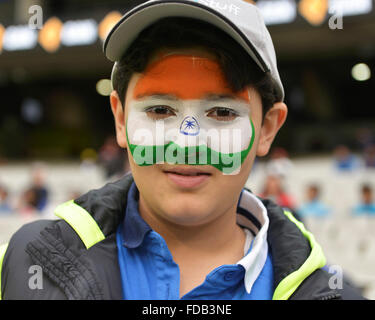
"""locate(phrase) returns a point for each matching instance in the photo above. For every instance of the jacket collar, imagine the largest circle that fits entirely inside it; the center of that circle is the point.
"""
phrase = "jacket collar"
(134, 227)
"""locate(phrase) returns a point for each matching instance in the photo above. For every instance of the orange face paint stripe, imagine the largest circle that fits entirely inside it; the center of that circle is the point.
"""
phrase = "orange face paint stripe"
(185, 76)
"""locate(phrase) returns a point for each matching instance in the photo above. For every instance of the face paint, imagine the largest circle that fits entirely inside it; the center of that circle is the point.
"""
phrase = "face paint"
(183, 111)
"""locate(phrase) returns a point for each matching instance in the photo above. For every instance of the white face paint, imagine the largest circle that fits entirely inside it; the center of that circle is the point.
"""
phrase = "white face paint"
(190, 123)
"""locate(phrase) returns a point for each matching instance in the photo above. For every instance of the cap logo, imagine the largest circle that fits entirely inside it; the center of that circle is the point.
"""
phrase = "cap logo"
(219, 6)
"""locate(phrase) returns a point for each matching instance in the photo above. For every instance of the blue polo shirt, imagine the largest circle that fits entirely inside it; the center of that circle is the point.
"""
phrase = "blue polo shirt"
(148, 271)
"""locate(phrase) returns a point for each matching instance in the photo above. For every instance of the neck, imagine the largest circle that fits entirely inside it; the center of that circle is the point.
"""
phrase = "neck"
(221, 237)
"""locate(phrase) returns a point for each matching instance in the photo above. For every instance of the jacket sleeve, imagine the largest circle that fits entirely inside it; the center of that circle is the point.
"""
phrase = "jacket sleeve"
(21, 279)
(3, 249)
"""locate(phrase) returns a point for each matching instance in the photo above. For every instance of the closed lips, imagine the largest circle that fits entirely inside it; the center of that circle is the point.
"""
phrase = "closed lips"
(187, 172)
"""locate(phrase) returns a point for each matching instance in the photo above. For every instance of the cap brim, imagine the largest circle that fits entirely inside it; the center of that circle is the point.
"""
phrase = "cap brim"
(133, 22)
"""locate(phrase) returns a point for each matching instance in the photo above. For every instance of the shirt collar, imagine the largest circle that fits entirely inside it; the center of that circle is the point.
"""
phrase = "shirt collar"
(251, 214)
(134, 227)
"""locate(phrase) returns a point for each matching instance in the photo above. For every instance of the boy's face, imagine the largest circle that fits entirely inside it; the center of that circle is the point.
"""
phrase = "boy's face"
(184, 95)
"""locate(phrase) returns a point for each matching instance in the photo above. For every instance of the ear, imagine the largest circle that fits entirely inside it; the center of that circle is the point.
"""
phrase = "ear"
(120, 122)
(273, 120)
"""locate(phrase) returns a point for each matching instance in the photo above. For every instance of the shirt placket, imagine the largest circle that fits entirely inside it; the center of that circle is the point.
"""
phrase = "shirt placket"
(167, 273)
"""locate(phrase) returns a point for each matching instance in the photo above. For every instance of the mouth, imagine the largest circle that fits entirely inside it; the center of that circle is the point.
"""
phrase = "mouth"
(191, 172)
(187, 177)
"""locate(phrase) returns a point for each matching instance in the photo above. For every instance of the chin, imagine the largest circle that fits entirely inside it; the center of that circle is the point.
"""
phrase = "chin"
(188, 212)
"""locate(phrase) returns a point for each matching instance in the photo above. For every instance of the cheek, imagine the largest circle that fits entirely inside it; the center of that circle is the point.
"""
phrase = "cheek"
(248, 162)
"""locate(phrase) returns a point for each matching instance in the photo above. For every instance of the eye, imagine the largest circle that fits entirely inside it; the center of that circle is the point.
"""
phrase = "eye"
(160, 112)
(222, 114)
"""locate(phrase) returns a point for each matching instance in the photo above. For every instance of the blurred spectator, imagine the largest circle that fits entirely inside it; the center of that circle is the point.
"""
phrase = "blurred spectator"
(344, 160)
(313, 206)
(74, 194)
(367, 204)
(369, 156)
(39, 188)
(113, 158)
(365, 137)
(275, 191)
(28, 203)
(34, 199)
(5, 207)
(279, 163)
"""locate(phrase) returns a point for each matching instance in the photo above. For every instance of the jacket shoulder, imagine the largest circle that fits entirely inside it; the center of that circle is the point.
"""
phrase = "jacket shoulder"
(19, 275)
(72, 267)
(51, 252)
(322, 285)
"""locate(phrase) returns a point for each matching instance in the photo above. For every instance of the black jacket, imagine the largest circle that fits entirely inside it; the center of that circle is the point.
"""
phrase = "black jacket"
(71, 271)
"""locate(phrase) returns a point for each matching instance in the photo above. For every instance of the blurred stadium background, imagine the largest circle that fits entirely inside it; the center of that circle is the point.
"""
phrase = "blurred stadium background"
(56, 128)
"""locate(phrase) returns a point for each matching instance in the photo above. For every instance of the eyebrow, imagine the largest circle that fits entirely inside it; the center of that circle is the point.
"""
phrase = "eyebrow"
(156, 95)
(173, 97)
(216, 97)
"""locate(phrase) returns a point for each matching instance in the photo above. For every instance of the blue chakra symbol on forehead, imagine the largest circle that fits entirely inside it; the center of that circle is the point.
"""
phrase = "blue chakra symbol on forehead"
(189, 126)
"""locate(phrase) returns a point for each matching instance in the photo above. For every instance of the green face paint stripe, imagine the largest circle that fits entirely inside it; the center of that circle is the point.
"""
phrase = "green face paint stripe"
(315, 261)
(252, 137)
(210, 154)
(3, 249)
(81, 221)
(207, 156)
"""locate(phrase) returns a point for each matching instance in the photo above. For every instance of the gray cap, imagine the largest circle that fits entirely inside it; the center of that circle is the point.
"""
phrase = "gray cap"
(240, 19)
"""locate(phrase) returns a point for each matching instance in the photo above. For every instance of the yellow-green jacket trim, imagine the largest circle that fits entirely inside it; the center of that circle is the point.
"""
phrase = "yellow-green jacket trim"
(3, 249)
(315, 261)
(81, 221)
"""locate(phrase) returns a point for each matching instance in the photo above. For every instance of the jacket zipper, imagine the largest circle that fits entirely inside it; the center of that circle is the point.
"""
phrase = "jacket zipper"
(331, 296)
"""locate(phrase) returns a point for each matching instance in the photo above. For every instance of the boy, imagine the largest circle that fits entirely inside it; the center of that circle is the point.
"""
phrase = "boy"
(196, 98)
